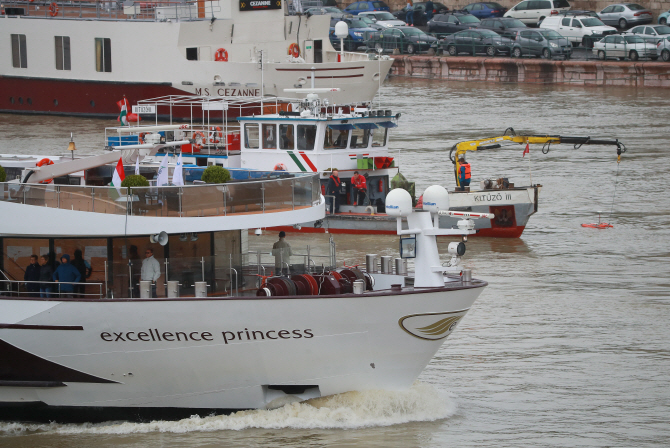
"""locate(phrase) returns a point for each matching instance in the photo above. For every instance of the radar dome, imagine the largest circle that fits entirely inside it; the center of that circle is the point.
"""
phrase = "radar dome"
(398, 203)
(435, 198)
(341, 29)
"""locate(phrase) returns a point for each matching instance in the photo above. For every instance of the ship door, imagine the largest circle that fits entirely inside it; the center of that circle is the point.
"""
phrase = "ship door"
(309, 51)
(205, 54)
(318, 48)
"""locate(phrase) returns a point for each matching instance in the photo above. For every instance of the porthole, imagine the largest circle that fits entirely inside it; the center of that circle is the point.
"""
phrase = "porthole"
(55, 102)
(30, 101)
(11, 99)
(92, 103)
(20, 100)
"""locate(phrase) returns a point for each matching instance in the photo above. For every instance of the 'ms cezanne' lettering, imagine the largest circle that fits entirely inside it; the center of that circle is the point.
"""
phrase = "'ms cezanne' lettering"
(228, 92)
(255, 5)
(154, 335)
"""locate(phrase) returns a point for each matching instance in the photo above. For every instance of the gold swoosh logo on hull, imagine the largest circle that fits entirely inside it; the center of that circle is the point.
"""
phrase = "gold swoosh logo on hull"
(425, 326)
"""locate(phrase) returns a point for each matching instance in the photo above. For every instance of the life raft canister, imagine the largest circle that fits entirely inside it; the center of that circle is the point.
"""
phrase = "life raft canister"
(221, 55)
(294, 50)
(53, 9)
(45, 161)
(280, 167)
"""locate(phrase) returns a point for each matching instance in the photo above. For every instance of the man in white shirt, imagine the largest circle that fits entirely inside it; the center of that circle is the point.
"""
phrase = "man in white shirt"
(151, 270)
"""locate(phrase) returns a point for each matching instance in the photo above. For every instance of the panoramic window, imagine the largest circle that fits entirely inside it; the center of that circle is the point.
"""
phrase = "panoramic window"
(270, 136)
(251, 136)
(63, 53)
(286, 136)
(337, 137)
(379, 136)
(103, 54)
(19, 55)
(359, 138)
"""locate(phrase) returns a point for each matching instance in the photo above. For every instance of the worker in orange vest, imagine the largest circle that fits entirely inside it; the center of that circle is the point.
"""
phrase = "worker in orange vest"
(463, 173)
(360, 188)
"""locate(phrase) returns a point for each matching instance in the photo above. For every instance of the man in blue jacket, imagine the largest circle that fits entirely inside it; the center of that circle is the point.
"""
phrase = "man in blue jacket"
(66, 273)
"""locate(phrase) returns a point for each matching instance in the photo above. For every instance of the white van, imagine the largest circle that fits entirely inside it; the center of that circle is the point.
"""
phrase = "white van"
(575, 28)
(532, 12)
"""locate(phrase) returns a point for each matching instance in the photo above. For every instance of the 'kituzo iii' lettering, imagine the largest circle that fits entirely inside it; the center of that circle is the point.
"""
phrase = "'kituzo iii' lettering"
(154, 335)
(491, 197)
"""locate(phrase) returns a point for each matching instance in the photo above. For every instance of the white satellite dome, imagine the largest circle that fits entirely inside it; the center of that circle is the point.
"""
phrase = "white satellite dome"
(435, 198)
(341, 29)
(398, 203)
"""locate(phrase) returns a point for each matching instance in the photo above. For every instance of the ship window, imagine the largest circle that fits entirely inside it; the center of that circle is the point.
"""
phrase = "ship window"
(270, 136)
(306, 137)
(192, 54)
(337, 136)
(103, 54)
(286, 136)
(19, 55)
(251, 136)
(63, 53)
(379, 136)
(360, 138)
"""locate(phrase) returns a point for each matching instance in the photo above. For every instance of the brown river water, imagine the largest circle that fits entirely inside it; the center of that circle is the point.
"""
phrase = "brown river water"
(569, 346)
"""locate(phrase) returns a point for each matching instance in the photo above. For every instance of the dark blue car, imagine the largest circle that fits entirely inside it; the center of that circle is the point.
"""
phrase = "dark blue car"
(357, 31)
(357, 7)
(484, 10)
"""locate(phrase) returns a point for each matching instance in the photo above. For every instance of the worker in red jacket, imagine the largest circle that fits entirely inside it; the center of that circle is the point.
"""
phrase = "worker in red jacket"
(360, 188)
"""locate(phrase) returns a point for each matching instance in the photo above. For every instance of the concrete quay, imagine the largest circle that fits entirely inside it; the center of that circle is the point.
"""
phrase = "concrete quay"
(534, 71)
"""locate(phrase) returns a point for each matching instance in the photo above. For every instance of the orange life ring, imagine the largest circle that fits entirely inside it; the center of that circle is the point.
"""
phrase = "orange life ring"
(141, 137)
(294, 50)
(214, 135)
(197, 146)
(221, 55)
(280, 167)
(45, 161)
(53, 9)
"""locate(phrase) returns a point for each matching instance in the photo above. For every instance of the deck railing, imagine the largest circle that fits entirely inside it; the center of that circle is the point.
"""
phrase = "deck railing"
(264, 196)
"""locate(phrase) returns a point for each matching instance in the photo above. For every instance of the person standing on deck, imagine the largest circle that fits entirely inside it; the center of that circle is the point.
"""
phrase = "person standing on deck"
(151, 270)
(463, 173)
(65, 272)
(84, 268)
(32, 275)
(360, 188)
(333, 189)
(46, 276)
(282, 253)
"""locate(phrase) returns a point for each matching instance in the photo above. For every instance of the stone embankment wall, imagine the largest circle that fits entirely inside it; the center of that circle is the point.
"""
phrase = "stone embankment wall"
(536, 71)
(656, 6)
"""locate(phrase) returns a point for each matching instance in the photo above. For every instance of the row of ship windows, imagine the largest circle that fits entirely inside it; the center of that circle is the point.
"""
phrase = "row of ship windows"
(103, 53)
(29, 101)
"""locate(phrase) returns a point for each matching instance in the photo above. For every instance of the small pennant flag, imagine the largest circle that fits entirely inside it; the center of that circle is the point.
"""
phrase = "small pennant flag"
(162, 177)
(526, 151)
(137, 163)
(118, 176)
(178, 174)
(123, 104)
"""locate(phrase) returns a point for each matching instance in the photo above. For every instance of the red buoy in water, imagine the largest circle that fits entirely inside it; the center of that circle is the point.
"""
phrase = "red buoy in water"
(598, 225)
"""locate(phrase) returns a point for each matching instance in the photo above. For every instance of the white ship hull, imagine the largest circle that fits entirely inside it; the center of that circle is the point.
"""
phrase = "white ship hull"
(105, 359)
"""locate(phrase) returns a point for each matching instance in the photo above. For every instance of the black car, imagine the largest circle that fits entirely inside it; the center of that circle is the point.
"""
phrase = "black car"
(477, 41)
(452, 22)
(407, 39)
(420, 16)
(505, 26)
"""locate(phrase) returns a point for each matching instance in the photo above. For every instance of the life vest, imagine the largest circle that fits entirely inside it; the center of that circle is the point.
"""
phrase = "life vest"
(467, 170)
(359, 182)
(336, 180)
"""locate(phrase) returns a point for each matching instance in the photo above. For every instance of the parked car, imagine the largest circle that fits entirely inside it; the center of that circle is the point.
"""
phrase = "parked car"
(578, 12)
(479, 41)
(357, 31)
(663, 48)
(382, 18)
(545, 43)
(420, 16)
(663, 18)
(359, 7)
(624, 15)
(405, 38)
(652, 33)
(579, 29)
(505, 26)
(333, 11)
(633, 47)
(484, 10)
(452, 22)
(533, 12)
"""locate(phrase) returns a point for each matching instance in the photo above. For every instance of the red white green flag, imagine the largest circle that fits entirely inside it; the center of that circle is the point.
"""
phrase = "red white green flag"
(118, 176)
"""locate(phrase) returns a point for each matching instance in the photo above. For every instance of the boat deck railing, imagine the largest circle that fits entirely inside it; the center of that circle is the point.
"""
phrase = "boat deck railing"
(285, 193)
(25, 288)
(111, 10)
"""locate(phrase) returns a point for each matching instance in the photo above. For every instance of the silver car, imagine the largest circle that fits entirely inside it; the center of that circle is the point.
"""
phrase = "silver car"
(622, 47)
(663, 47)
(624, 15)
(652, 33)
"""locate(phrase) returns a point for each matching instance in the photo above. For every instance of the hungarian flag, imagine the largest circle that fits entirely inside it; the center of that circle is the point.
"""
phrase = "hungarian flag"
(123, 105)
(118, 176)
(526, 151)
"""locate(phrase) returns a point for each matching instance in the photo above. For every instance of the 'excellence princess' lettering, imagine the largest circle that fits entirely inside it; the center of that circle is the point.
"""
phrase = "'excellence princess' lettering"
(154, 335)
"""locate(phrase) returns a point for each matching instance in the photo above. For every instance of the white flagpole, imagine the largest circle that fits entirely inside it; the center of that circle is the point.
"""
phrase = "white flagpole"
(529, 170)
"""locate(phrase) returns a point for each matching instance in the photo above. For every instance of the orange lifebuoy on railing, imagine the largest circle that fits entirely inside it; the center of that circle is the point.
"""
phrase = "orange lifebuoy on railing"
(221, 55)
(294, 50)
(141, 137)
(43, 162)
(198, 140)
(53, 9)
(280, 167)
